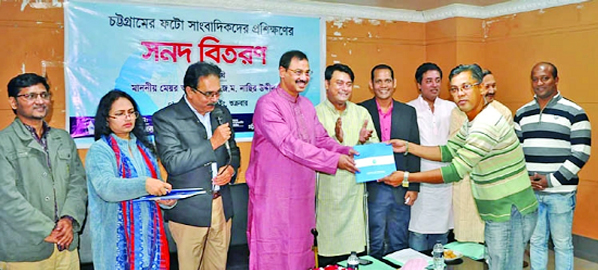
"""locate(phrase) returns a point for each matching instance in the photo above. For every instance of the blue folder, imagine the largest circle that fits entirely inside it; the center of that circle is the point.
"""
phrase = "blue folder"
(177, 194)
(375, 161)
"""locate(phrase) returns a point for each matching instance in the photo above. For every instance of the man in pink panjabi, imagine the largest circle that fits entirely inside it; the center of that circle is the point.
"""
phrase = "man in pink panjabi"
(289, 146)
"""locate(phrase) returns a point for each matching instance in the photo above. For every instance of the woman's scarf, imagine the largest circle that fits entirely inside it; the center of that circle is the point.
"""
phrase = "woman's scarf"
(130, 229)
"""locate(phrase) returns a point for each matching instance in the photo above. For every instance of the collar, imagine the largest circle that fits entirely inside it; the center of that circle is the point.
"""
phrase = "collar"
(392, 104)
(45, 128)
(421, 99)
(124, 143)
(284, 94)
(199, 115)
(556, 98)
(331, 107)
(23, 132)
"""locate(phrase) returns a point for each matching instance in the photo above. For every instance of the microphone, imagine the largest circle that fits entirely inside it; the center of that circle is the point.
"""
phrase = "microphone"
(218, 114)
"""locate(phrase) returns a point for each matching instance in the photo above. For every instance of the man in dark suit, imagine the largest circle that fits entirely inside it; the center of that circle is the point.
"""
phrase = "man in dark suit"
(390, 207)
(190, 137)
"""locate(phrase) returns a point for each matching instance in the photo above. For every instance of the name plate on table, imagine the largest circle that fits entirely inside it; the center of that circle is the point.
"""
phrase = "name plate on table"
(375, 161)
(177, 194)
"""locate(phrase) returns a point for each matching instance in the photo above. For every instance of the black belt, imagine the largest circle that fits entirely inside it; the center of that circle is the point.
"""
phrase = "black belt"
(216, 194)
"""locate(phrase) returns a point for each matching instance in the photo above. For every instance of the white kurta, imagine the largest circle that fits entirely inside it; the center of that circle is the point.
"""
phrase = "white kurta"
(432, 211)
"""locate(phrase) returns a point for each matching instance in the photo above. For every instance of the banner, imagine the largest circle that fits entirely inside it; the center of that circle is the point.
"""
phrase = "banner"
(145, 50)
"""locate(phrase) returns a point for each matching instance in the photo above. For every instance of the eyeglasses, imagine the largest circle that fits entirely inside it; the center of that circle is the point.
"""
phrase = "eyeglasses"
(464, 87)
(33, 96)
(299, 72)
(209, 94)
(122, 115)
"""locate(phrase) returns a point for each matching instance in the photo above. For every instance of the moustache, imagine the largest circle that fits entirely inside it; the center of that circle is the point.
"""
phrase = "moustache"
(212, 104)
(301, 81)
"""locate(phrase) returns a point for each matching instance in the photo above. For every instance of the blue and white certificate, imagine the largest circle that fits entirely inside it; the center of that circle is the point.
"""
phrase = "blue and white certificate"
(375, 161)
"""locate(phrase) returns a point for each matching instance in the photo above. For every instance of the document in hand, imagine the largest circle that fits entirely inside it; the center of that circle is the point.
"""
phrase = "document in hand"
(176, 194)
(375, 161)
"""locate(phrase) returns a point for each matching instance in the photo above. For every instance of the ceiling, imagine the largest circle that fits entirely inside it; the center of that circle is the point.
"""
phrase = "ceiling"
(417, 5)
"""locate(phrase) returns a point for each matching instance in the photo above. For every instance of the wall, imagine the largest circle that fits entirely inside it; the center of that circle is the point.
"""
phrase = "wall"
(33, 41)
(362, 44)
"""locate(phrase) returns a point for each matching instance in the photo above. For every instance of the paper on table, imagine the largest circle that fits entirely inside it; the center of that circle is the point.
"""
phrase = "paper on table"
(469, 249)
(402, 256)
(375, 161)
(176, 194)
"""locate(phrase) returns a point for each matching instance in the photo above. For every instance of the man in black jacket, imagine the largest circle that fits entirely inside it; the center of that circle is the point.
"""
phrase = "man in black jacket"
(190, 137)
(390, 207)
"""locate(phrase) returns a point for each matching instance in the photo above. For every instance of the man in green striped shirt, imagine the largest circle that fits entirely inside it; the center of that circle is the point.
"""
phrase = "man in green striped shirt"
(487, 148)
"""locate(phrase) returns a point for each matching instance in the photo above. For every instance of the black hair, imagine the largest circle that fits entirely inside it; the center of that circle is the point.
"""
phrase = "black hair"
(475, 69)
(338, 67)
(425, 67)
(287, 57)
(198, 70)
(383, 66)
(101, 118)
(25, 80)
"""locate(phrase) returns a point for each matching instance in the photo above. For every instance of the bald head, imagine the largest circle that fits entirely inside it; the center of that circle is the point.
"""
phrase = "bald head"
(544, 80)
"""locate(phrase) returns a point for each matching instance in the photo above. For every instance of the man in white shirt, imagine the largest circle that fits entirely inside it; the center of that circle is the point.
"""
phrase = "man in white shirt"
(431, 214)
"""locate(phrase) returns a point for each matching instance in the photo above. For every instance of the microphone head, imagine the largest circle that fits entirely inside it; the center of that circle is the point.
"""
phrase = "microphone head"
(219, 115)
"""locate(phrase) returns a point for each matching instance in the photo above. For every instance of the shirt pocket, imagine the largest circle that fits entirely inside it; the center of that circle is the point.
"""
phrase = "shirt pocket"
(63, 165)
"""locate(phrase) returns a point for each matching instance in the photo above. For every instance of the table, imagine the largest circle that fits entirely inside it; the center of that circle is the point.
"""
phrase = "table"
(464, 263)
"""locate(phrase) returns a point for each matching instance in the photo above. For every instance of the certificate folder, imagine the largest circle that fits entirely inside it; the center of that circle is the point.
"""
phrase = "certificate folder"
(375, 161)
(176, 194)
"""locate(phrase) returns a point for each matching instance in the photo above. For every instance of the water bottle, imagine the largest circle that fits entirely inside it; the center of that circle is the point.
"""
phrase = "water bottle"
(353, 261)
(438, 253)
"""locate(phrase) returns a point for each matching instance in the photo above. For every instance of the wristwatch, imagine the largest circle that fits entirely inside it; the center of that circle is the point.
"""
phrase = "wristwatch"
(405, 179)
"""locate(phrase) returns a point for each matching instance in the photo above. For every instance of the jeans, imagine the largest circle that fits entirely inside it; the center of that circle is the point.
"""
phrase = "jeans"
(555, 219)
(388, 219)
(423, 242)
(506, 241)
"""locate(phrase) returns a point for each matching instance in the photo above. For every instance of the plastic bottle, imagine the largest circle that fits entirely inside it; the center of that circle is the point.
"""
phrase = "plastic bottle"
(353, 261)
(438, 253)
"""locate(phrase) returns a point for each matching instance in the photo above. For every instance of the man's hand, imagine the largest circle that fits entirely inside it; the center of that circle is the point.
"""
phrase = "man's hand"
(410, 197)
(539, 181)
(64, 229)
(52, 238)
(220, 135)
(364, 133)
(398, 146)
(347, 163)
(157, 187)
(338, 130)
(225, 174)
(353, 152)
(394, 179)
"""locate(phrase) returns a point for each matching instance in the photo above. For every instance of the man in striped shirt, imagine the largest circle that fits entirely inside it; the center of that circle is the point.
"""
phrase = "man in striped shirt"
(487, 148)
(556, 137)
